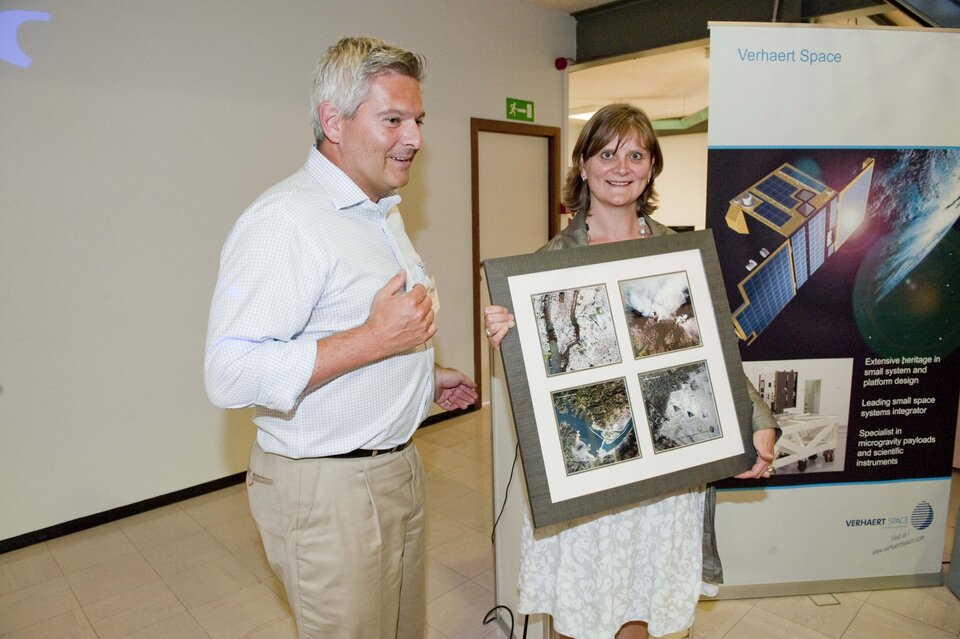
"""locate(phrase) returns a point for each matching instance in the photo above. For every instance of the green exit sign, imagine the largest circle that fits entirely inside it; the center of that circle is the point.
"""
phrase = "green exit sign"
(519, 110)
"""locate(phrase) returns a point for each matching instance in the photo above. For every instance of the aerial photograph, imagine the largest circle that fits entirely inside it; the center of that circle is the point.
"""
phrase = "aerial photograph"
(659, 312)
(595, 425)
(576, 329)
(680, 405)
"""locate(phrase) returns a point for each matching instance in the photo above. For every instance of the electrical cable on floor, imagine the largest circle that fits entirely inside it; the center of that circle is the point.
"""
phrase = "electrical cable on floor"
(513, 468)
(491, 614)
(488, 618)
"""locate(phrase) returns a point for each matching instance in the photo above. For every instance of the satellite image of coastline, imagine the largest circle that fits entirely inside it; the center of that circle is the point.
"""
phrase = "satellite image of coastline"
(595, 425)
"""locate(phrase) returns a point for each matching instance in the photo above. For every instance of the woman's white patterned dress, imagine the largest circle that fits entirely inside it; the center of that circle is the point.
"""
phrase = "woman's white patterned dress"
(594, 574)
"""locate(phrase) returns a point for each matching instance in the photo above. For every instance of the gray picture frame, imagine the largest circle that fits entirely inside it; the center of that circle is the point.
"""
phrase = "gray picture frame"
(514, 281)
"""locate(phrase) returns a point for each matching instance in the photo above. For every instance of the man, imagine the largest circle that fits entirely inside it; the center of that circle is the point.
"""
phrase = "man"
(322, 319)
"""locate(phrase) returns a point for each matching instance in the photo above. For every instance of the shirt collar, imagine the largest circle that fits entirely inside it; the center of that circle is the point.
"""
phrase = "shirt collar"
(344, 193)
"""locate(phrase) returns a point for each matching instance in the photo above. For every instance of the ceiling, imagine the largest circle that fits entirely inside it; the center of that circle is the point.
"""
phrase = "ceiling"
(666, 84)
(569, 6)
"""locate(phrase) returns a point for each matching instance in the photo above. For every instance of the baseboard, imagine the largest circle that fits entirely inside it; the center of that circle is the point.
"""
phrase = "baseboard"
(98, 519)
(107, 516)
(829, 586)
(450, 414)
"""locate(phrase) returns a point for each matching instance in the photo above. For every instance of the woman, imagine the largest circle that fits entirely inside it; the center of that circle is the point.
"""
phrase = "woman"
(640, 570)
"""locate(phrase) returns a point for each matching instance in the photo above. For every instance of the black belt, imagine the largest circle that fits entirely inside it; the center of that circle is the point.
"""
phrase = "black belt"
(363, 452)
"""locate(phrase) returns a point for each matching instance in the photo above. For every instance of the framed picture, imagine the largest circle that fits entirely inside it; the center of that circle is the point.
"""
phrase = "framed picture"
(623, 372)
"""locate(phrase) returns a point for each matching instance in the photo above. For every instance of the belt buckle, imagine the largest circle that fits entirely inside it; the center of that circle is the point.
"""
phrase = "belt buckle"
(385, 451)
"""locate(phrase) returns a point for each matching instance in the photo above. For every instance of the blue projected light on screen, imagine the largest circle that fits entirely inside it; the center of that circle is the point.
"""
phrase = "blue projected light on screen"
(10, 22)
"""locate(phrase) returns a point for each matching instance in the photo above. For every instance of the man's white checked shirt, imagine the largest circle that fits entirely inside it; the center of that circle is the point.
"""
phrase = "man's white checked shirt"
(303, 262)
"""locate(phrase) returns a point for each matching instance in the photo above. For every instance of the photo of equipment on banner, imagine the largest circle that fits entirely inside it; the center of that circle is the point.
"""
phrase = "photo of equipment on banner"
(623, 374)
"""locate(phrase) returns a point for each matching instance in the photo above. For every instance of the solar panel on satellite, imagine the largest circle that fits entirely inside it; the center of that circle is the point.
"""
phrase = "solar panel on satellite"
(803, 178)
(817, 229)
(768, 290)
(798, 242)
(778, 190)
(772, 214)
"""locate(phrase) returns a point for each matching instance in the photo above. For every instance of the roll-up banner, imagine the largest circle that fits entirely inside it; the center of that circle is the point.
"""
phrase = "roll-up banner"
(833, 194)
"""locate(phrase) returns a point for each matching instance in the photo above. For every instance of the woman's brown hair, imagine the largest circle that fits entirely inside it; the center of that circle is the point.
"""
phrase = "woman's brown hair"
(612, 122)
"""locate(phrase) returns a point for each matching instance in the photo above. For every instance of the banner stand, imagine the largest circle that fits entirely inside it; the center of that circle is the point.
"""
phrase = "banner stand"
(790, 589)
(833, 198)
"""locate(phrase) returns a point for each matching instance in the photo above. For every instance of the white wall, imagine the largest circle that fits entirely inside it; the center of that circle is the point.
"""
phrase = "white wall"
(129, 147)
(683, 184)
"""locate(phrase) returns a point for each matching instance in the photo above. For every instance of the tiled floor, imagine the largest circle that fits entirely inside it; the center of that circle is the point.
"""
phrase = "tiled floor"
(195, 570)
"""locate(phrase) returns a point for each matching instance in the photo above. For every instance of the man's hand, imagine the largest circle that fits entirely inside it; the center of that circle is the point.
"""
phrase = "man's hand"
(401, 320)
(398, 321)
(763, 441)
(452, 389)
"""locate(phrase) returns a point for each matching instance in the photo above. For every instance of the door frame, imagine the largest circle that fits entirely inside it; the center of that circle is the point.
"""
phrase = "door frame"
(478, 125)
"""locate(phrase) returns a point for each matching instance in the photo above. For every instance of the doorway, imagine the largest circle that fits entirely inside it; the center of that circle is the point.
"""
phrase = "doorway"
(515, 186)
(516, 209)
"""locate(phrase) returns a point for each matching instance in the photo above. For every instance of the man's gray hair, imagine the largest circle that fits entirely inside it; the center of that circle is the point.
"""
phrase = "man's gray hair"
(344, 73)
